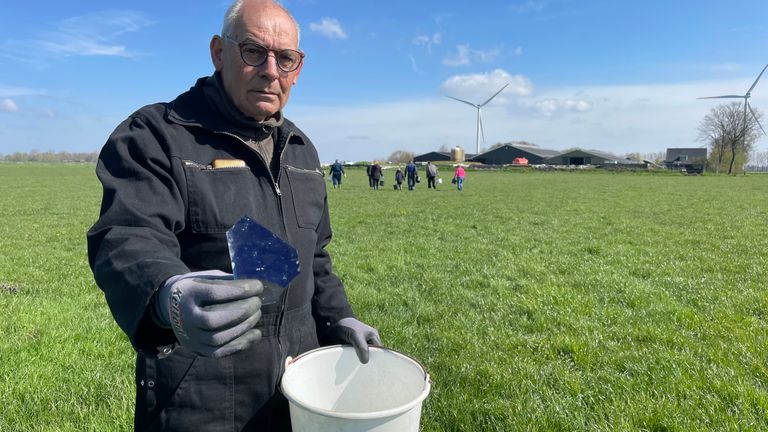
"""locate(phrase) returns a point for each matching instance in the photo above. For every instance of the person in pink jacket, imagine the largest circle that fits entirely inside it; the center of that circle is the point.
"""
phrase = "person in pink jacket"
(458, 177)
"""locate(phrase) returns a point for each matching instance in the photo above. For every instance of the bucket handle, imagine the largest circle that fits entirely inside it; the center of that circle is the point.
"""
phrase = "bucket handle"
(290, 360)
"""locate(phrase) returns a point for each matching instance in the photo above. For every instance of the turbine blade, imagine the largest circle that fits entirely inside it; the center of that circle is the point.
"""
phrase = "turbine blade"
(480, 119)
(494, 95)
(722, 97)
(755, 117)
(460, 100)
(758, 79)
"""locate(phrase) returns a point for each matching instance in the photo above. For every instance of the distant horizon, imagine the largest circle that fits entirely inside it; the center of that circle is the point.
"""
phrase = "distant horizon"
(93, 154)
(618, 77)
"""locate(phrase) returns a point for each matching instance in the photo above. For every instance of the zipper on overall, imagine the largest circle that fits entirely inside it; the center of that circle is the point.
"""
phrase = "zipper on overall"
(276, 186)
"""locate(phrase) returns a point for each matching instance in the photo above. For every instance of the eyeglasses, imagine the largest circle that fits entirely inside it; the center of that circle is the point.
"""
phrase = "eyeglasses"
(253, 54)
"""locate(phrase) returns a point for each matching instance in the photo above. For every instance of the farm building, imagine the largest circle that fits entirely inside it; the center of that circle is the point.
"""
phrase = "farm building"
(507, 153)
(433, 156)
(689, 159)
(588, 157)
(438, 156)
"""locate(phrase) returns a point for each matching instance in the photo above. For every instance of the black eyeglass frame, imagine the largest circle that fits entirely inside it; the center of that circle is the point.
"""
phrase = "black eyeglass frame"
(276, 53)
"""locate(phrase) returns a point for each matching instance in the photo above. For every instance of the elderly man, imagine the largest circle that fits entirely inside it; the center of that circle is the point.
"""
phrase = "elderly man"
(175, 177)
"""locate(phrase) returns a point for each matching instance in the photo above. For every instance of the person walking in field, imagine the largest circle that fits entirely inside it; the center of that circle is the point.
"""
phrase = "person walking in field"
(431, 175)
(376, 175)
(337, 171)
(458, 177)
(411, 174)
(399, 176)
(369, 173)
(175, 176)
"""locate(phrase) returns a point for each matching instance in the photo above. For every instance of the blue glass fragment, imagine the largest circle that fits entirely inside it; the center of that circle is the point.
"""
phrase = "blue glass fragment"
(257, 253)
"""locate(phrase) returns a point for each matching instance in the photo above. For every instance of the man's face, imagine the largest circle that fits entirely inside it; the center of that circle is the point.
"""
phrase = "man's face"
(258, 91)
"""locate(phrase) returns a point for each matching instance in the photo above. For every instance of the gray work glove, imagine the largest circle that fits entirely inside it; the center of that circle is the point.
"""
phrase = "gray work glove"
(359, 334)
(210, 313)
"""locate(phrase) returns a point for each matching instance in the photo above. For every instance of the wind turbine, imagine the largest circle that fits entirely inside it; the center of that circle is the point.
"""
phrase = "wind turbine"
(479, 116)
(746, 97)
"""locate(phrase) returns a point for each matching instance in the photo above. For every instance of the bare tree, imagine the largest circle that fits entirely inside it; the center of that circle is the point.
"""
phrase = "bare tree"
(401, 156)
(493, 146)
(730, 132)
(444, 148)
(655, 157)
(758, 160)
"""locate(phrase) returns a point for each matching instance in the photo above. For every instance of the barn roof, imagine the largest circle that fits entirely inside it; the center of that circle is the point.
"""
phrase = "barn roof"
(538, 151)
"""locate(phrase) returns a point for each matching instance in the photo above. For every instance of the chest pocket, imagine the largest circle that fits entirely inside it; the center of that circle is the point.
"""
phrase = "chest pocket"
(217, 198)
(308, 193)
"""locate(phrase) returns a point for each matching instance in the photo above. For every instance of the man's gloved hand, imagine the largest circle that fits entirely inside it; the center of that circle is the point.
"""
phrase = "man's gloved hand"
(359, 334)
(211, 314)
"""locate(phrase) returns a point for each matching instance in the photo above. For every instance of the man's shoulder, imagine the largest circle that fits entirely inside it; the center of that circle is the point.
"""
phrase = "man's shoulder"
(301, 148)
(289, 128)
(154, 111)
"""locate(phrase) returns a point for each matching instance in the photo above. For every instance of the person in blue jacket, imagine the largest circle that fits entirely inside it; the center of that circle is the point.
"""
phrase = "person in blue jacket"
(411, 174)
(337, 171)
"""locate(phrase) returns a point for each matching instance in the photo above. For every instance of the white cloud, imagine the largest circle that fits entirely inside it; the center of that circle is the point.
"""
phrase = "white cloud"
(549, 107)
(460, 58)
(530, 6)
(329, 27)
(421, 40)
(728, 67)
(464, 54)
(415, 66)
(427, 40)
(105, 25)
(8, 105)
(6, 91)
(70, 46)
(94, 34)
(481, 86)
(486, 56)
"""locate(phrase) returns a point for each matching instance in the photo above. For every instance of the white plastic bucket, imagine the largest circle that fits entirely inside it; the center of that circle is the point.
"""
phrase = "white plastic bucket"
(328, 389)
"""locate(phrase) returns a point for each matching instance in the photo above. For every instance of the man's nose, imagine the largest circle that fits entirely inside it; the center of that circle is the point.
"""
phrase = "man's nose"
(269, 69)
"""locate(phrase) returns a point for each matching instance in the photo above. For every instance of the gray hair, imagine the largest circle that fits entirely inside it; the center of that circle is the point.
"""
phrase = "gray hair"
(233, 13)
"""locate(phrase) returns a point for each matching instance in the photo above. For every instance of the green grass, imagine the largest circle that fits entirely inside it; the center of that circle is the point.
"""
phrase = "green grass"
(537, 301)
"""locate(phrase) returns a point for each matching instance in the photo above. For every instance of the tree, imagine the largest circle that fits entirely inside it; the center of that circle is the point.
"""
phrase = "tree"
(401, 156)
(731, 133)
(655, 157)
(50, 157)
(758, 160)
(494, 146)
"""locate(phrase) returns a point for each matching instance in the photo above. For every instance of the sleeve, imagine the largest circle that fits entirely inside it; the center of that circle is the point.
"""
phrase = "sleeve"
(132, 247)
(329, 303)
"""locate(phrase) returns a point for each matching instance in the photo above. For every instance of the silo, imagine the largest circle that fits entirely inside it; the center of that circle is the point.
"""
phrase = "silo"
(457, 154)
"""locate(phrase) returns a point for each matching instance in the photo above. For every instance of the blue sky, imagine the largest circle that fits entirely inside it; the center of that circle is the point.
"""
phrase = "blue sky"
(618, 76)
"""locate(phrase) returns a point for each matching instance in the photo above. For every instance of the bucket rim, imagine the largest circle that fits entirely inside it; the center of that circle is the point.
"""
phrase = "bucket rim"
(359, 416)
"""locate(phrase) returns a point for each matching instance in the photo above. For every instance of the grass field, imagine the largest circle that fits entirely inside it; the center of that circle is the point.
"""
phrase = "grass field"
(537, 301)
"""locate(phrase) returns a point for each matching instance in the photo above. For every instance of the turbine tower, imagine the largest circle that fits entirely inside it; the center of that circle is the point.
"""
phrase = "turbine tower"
(479, 117)
(746, 97)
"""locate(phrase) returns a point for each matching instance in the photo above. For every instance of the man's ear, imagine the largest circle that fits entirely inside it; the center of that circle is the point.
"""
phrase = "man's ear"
(297, 72)
(217, 52)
